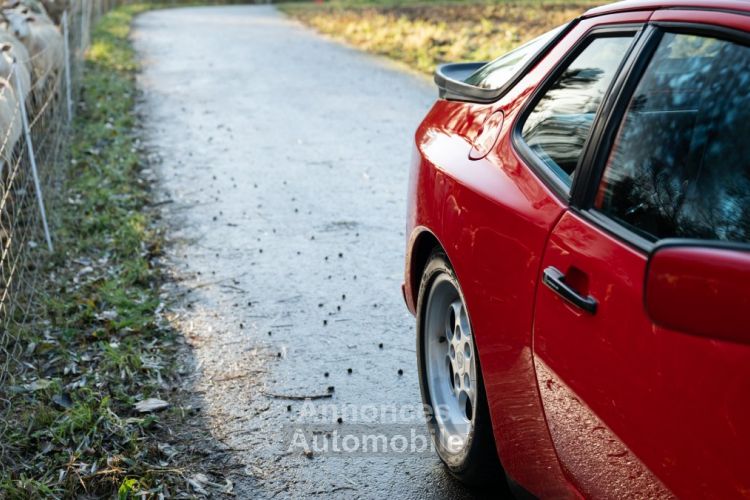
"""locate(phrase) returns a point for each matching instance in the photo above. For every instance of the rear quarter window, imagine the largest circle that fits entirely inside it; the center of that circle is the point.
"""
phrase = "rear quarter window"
(559, 124)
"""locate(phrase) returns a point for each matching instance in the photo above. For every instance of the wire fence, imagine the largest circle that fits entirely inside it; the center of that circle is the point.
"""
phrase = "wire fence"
(37, 92)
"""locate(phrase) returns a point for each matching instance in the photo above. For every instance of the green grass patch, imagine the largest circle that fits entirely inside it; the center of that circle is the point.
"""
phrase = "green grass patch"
(72, 428)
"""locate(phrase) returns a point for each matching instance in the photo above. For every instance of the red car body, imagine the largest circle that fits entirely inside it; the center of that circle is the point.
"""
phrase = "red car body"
(605, 405)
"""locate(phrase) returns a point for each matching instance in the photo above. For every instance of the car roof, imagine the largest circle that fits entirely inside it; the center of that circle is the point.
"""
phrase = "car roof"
(630, 5)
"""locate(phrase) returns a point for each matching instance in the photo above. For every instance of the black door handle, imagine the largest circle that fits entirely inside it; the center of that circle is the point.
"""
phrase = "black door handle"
(555, 281)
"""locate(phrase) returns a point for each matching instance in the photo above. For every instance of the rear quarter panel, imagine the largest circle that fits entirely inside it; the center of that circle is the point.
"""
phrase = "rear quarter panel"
(493, 217)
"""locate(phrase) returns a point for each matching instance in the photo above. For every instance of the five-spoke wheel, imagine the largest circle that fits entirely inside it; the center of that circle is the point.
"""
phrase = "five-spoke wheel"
(450, 364)
(451, 377)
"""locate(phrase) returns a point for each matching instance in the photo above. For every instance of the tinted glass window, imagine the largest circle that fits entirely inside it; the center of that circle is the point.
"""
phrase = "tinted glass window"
(680, 166)
(557, 128)
(497, 73)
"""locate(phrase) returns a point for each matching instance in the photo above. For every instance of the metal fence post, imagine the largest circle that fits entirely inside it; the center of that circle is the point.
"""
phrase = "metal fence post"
(66, 51)
(83, 27)
(32, 160)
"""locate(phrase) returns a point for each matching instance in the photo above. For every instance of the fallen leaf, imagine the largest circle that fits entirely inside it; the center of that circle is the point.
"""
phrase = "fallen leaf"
(37, 385)
(197, 482)
(151, 405)
(228, 487)
(62, 400)
(109, 315)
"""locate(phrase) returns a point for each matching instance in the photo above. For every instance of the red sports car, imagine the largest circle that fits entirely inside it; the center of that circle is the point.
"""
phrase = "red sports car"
(578, 257)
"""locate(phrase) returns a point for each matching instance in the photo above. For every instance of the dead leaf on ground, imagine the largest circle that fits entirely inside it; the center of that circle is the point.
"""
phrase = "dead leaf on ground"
(62, 400)
(150, 405)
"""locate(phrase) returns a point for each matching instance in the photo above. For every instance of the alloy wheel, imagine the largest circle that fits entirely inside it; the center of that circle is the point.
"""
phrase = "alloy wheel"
(450, 365)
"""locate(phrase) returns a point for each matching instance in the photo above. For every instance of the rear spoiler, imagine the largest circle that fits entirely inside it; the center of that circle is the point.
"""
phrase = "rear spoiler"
(450, 81)
(450, 78)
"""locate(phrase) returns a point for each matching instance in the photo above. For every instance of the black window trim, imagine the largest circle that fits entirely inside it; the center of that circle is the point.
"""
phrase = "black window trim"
(607, 125)
(542, 170)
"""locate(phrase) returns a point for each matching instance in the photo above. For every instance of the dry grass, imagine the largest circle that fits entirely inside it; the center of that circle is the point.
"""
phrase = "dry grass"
(425, 35)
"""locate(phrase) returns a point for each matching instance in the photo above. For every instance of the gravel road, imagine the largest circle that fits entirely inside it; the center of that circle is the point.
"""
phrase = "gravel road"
(283, 170)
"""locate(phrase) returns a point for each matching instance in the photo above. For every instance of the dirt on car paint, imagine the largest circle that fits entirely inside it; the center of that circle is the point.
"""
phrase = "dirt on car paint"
(283, 163)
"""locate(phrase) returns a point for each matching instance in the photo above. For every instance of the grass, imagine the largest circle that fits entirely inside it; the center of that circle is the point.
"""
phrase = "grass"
(72, 428)
(425, 34)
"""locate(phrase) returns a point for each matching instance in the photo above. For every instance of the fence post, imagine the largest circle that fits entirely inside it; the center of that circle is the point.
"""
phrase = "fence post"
(66, 51)
(83, 27)
(32, 160)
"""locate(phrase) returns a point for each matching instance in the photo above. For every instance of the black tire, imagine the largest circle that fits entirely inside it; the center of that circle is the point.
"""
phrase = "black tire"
(478, 464)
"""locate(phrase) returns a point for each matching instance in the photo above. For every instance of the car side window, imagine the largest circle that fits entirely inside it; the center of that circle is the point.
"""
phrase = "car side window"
(557, 128)
(680, 164)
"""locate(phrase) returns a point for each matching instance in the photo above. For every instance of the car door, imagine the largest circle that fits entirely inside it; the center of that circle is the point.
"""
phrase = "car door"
(636, 404)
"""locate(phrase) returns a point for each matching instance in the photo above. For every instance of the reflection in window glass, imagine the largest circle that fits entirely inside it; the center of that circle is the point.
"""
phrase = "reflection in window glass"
(680, 166)
(557, 128)
(498, 72)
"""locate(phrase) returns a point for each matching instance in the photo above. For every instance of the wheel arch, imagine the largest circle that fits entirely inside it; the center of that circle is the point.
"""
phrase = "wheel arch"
(423, 243)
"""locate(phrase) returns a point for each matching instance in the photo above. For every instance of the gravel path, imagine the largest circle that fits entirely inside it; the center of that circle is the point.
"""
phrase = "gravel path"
(284, 164)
